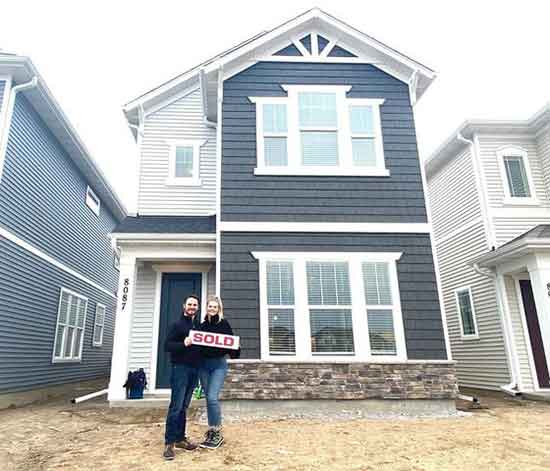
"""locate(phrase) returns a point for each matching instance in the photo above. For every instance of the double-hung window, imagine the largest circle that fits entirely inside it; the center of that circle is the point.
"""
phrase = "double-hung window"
(71, 320)
(466, 313)
(516, 176)
(184, 162)
(92, 201)
(318, 130)
(317, 306)
(99, 325)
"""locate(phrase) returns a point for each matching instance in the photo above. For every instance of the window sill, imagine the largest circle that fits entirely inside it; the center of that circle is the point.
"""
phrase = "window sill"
(97, 345)
(509, 201)
(470, 337)
(183, 182)
(324, 172)
(66, 360)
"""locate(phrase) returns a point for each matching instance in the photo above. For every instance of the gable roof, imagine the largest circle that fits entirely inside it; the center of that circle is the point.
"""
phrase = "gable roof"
(22, 70)
(450, 148)
(267, 43)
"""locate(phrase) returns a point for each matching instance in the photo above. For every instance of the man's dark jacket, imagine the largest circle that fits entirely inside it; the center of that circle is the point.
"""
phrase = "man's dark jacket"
(179, 353)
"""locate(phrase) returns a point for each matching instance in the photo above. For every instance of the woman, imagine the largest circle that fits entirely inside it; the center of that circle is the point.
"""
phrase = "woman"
(213, 369)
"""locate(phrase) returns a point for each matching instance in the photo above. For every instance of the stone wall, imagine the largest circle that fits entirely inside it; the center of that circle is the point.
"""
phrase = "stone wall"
(412, 380)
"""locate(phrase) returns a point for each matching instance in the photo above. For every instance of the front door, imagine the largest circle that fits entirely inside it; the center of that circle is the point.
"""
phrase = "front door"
(175, 289)
(534, 333)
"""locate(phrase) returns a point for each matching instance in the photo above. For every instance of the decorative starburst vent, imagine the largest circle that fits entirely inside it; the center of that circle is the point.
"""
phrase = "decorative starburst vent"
(314, 46)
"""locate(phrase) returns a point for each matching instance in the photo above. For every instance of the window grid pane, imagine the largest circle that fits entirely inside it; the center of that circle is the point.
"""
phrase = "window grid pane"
(376, 279)
(361, 119)
(274, 117)
(317, 109)
(517, 177)
(275, 152)
(364, 152)
(381, 332)
(319, 148)
(328, 283)
(281, 332)
(466, 313)
(280, 283)
(184, 162)
(331, 331)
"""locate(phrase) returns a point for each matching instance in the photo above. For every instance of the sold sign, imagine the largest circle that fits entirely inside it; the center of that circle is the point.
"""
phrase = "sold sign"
(209, 339)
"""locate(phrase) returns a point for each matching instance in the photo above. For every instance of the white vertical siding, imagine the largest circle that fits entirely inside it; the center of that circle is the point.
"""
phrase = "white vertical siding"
(480, 362)
(518, 334)
(454, 199)
(182, 119)
(543, 150)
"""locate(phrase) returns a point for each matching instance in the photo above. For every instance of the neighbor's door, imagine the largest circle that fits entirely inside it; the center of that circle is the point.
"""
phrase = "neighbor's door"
(534, 333)
(175, 289)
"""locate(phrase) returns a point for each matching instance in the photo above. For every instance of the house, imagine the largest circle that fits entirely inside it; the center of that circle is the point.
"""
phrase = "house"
(58, 275)
(284, 175)
(489, 188)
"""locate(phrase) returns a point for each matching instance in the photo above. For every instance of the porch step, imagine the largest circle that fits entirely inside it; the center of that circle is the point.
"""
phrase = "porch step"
(153, 401)
(537, 396)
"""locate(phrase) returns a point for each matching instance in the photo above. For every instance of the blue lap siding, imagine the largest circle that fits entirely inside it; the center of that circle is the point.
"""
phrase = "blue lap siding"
(247, 197)
(42, 200)
(417, 283)
(29, 297)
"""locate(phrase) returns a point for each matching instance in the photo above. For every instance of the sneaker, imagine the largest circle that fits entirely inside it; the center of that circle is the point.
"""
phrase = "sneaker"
(214, 439)
(169, 453)
(186, 445)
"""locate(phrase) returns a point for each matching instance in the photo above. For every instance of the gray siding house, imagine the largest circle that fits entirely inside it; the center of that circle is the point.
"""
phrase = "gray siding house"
(489, 189)
(58, 279)
(283, 174)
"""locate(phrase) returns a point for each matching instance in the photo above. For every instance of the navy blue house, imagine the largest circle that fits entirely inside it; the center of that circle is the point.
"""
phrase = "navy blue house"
(284, 176)
(58, 269)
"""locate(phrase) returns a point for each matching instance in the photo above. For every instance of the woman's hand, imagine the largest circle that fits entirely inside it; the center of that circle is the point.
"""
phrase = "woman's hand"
(187, 341)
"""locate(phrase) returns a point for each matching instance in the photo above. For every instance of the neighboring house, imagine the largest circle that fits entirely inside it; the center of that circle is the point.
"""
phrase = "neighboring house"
(284, 175)
(58, 278)
(489, 191)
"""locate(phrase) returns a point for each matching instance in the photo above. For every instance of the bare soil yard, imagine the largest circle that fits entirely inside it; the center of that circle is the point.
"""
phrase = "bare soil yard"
(508, 435)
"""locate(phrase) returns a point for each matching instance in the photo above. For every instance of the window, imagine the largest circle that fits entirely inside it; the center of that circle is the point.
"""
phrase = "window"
(516, 176)
(465, 307)
(317, 306)
(317, 130)
(183, 162)
(71, 320)
(116, 259)
(92, 201)
(99, 324)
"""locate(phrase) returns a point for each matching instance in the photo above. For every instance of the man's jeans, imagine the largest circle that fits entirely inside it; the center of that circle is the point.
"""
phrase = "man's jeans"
(212, 374)
(183, 381)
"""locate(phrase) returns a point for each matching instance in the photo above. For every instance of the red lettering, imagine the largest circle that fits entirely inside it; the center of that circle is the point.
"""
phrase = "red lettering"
(209, 338)
(228, 341)
(197, 337)
(219, 341)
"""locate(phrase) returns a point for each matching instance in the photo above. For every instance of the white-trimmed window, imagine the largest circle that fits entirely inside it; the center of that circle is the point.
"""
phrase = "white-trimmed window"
(516, 176)
(466, 313)
(99, 325)
(184, 162)
(92, 201)
(317, 130)
(322, 306)
(116, 259)
(71, 321)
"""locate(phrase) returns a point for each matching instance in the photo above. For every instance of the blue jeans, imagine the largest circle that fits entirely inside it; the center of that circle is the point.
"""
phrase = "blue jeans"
(212, 374)
(183, 381)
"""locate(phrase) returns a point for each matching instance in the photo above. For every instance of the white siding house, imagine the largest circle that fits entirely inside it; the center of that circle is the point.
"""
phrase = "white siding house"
(488, 184)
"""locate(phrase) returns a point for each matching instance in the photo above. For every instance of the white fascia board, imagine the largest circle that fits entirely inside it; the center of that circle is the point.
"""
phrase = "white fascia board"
(159, 237)
(318, 227)
(371, 256)
(516, 249)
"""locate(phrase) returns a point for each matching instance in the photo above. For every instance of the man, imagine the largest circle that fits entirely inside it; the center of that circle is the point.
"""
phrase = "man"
(184, 378)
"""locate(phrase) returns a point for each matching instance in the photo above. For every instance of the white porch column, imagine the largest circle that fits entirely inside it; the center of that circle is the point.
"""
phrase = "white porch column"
(539, 272)
(119, 362)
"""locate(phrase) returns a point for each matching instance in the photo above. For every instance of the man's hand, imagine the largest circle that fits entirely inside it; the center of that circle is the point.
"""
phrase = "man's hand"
(187, 341)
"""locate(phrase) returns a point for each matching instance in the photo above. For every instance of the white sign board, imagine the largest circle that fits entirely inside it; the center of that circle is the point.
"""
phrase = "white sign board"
(210, 339)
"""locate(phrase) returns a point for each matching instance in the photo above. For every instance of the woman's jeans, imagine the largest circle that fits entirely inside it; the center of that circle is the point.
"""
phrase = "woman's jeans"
(183, 381)
(212, 373)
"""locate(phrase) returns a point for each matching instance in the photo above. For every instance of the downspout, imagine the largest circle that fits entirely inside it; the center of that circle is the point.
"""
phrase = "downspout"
(511, 388)
(4, 132)
(204, 96)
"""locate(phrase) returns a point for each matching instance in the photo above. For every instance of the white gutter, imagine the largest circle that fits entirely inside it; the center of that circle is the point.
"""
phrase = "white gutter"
(4, 132)
(513, 387)
(204, 96)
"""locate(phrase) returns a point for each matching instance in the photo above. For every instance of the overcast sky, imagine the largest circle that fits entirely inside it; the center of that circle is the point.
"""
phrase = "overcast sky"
(492, 57)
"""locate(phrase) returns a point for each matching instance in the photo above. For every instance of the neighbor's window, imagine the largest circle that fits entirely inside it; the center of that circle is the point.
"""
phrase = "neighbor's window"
(92, 201)
(516, 174)
(466, 312)
(184, 162)
(318, 130)
(69, 333)
(99, 325)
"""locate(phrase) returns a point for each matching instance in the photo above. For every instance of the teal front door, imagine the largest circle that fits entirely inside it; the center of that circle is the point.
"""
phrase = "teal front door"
(175, 289)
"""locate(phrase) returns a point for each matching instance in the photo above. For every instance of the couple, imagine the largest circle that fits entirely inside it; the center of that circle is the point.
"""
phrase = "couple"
(189, 363)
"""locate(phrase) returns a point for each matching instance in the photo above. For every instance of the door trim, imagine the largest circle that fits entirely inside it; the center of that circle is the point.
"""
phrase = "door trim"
(152, 381)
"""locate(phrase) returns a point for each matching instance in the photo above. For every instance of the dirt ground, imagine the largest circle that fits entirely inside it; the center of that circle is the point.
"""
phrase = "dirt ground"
(507, 435)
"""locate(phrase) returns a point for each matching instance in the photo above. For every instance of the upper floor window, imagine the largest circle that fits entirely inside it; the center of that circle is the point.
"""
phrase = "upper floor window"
(317, 130)
(99, 325)
(92, 201)
(466, 313)
(516, 176)
(71, 321)
(183, 162)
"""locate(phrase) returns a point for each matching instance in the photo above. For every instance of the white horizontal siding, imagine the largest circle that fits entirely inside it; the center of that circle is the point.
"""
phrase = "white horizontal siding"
(182, 119)
(488, 147)
(481, 362)
(454, 199)
(507, 229)
(519, 334)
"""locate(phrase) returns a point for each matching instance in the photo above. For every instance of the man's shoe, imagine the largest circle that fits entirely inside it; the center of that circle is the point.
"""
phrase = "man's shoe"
(169, 452)
(214, 439)
(186, 445)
